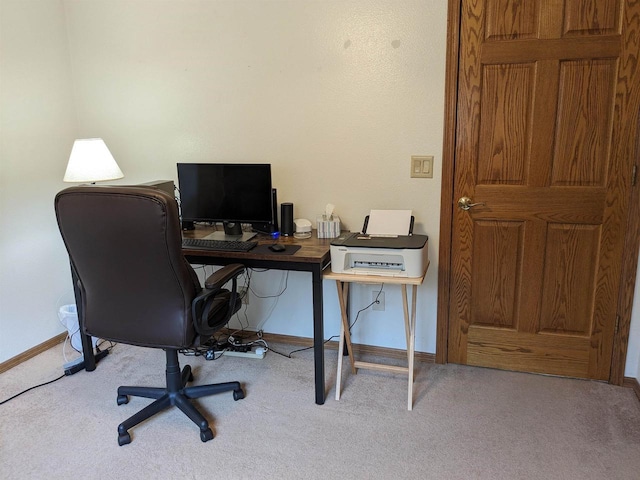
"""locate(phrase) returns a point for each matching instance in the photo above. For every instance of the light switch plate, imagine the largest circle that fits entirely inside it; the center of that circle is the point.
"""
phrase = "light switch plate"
(422, 166)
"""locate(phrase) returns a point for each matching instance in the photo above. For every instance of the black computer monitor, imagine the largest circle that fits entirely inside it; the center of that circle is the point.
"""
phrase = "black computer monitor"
(231, 193)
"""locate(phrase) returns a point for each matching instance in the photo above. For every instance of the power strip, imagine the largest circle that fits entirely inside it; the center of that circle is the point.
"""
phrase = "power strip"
(257, 353)
(73, 363)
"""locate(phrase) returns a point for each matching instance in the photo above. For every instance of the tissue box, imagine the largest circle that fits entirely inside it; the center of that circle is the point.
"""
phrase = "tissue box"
(328, 228)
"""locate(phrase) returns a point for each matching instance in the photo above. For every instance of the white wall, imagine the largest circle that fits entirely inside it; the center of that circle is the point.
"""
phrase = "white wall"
(632, 368)
(38, 124)
(336, 95)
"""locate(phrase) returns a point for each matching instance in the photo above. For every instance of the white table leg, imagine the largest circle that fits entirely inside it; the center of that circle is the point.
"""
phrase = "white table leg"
(343, 292)
(340, 355)
(409, 322)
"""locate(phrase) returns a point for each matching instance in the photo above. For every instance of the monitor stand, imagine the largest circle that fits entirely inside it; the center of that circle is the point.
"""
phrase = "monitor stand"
(232, 232)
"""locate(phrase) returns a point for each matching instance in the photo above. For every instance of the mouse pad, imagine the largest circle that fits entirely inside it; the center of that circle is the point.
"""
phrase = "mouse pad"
(264, 249)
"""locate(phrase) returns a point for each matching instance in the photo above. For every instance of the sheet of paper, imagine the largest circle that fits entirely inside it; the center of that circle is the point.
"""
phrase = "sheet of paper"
(389, 222)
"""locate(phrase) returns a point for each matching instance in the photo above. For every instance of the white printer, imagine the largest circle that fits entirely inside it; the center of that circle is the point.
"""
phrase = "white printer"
(392, 256)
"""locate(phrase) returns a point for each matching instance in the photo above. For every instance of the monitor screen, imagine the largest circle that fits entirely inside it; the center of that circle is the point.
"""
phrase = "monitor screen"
(225, 192)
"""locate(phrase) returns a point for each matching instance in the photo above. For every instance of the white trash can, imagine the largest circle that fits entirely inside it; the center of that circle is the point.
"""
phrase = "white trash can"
(68, 315)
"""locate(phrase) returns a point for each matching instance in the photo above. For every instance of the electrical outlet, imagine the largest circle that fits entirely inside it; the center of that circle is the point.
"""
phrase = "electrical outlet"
(379, 305)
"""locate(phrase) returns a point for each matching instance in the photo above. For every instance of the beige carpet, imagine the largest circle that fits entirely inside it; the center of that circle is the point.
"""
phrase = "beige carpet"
(467, 423)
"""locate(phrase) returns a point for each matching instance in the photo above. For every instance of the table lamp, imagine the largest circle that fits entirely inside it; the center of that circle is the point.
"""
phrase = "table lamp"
(91, 161)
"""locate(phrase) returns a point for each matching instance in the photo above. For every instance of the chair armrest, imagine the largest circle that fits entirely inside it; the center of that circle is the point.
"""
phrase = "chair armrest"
(201, 305)
(218, 278)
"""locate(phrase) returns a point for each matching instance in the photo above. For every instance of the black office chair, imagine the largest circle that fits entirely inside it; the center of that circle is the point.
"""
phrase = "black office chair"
(136, 287)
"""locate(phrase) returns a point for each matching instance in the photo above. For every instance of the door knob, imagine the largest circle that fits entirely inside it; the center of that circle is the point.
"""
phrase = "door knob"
(465, 203)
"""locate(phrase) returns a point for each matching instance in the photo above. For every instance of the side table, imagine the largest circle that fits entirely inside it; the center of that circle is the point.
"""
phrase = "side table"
(342, 283)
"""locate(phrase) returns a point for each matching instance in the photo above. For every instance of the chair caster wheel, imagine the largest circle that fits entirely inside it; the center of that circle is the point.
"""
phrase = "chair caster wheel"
(206, 435)
(124, 438)
(238, 394)
(123, 399)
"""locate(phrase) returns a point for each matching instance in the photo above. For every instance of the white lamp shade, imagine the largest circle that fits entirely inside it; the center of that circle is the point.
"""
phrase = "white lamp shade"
(91, 161)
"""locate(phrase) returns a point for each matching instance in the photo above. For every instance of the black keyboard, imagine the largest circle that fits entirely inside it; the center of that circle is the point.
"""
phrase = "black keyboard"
(223, 245)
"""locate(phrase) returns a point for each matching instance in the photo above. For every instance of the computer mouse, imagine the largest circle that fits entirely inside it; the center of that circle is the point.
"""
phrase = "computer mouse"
(277, 247)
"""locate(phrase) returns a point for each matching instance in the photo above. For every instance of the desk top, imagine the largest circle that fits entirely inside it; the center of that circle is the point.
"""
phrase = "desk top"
(312, 250)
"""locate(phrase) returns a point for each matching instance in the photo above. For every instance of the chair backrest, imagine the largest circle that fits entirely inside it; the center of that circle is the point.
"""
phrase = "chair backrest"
(124, 244)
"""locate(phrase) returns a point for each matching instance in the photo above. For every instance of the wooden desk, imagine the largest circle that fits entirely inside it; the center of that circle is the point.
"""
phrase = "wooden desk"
(313, 256)
(342, 284)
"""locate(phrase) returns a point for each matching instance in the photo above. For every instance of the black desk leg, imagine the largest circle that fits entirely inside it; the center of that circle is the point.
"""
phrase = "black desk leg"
(318, 334)
(87, 344)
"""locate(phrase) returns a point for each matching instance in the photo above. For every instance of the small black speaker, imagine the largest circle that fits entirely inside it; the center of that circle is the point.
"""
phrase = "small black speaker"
(286, 219)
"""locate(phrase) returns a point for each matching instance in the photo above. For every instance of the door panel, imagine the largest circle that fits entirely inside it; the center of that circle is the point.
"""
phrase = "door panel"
(568, 290)
(545, 96)
(583, 127)
(592, 17)
(504, 123)
(497, 248)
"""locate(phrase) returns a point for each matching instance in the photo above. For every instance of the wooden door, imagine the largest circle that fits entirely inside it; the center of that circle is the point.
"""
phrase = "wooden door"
(547, 105)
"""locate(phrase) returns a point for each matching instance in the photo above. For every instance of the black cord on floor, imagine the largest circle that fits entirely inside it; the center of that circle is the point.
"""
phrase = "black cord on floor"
(28, 389)
(288, 355)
